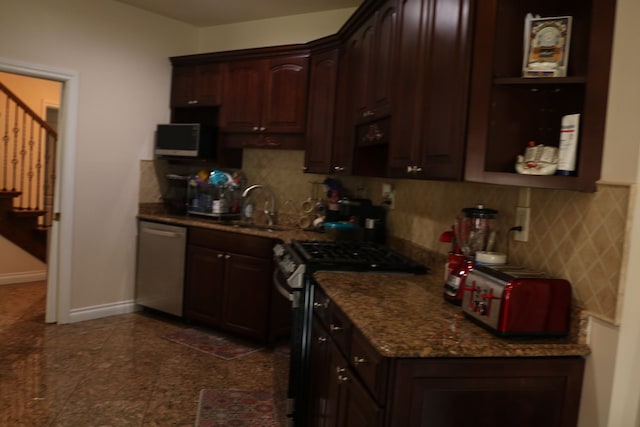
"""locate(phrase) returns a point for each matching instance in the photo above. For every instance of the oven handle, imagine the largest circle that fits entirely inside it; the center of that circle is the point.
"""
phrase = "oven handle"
(281, 289)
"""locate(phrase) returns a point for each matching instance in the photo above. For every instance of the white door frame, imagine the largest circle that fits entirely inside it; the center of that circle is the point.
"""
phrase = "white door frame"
(60, 242)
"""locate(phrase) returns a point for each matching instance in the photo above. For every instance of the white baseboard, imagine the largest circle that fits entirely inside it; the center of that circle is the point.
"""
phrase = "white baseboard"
(28, 276)
(104, 310)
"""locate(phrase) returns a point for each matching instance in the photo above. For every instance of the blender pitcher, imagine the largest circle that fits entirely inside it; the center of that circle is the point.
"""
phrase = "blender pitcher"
(473, 233)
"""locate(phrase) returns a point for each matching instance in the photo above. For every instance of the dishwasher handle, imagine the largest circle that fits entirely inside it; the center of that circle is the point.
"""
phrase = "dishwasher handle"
(162, 233)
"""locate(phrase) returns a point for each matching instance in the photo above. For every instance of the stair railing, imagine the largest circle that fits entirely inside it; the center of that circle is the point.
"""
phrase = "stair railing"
(27, 156)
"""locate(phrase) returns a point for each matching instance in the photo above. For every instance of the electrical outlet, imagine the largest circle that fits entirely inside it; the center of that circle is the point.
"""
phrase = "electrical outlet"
(523, 216)
(391, 199)
(388, 196)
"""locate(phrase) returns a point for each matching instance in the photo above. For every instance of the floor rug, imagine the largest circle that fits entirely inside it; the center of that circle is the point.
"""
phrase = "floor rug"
(213, 343)
(224, 408)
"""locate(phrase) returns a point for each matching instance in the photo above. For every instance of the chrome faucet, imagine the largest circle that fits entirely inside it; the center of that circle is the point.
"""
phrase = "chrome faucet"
(270, 214)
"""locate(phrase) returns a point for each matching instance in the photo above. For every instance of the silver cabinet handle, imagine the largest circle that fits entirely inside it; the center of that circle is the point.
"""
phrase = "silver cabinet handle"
(323, 305)
(359, 360)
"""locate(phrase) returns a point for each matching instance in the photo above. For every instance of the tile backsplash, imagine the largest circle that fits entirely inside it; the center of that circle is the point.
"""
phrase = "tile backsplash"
(573, 235)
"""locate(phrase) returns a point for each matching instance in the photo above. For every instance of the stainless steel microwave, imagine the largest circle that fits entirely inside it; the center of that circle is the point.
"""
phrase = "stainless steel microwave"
(185, 140)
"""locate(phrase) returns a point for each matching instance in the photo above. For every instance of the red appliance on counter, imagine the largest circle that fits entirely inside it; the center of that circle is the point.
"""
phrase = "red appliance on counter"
(514, 301)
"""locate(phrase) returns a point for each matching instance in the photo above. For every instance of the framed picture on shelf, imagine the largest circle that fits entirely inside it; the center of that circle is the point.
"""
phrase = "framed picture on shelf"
(546, 46)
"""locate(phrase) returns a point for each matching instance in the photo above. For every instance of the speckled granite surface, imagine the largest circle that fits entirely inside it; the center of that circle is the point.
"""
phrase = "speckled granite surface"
(283, 233)
(406, 316)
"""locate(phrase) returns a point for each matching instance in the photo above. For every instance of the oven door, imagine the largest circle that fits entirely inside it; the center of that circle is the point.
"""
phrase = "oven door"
(298, 354)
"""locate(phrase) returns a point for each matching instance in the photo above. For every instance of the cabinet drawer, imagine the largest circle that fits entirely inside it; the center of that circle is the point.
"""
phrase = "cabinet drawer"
(370, 366)
(232, 242)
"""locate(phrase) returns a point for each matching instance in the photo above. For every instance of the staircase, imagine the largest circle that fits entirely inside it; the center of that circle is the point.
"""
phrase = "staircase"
(27, 175)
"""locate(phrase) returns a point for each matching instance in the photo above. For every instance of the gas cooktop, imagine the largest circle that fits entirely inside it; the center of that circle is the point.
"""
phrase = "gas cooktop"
(354, 256)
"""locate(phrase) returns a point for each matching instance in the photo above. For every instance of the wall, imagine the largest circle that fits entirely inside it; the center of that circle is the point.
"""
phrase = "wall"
(120, 56)
(272, 32)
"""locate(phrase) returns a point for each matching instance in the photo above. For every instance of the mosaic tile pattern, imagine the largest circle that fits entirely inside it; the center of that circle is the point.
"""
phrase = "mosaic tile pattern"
(577, 236)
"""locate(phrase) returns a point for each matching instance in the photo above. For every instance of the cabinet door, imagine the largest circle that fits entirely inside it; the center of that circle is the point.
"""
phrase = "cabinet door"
(285, 96)
(404, 150)
(431, 91)
(446, 91)
(496, 392)
(383, 59)
(355, 407)
(243, 96)
(361, 47)
(203, 286)
(196, 85)
(246, 295)
(323, 80)
(182, 88)
(319, 377)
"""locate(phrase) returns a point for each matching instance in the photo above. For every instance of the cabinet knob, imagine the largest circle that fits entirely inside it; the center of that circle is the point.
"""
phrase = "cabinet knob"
(219, 255)
(323, 305)
(227, 256)
(193, 101)
(414, 169)
(335, 328)
(368, 113)
(305, 168)
(338, 169)
(359, 360)
(262, 129)
(343, 378)
(322, 340)
(256, 128)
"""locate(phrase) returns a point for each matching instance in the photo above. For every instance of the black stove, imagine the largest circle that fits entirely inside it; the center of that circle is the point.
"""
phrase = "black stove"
(353, 256)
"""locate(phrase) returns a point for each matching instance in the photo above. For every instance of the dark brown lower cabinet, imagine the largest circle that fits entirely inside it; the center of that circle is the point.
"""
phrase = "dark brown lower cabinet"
(229, 285)
(352, 385)
(495, 392)
(337, 397)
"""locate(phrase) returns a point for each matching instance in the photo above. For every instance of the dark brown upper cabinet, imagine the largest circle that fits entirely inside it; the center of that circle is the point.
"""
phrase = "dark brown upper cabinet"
(371, 48)
(507, 111)
(432, 66)
(321, 112)
(196, 85)
(265, 102)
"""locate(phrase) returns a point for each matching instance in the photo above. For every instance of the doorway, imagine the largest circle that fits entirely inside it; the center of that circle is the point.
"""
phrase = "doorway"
(58, 305)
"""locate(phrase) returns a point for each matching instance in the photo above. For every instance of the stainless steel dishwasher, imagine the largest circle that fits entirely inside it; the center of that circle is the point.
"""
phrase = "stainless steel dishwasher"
(160, 266)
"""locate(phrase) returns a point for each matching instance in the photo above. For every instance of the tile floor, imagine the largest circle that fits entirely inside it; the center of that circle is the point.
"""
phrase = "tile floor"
(115, 371)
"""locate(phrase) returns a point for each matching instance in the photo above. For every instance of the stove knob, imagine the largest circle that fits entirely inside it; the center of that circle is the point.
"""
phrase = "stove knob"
(278, 250)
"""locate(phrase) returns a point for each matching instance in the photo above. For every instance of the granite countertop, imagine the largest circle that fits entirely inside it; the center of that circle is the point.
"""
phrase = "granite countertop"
(280, 232)
(405, 315)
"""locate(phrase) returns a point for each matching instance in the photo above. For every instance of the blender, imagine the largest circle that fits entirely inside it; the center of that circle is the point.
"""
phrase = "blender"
(474, 235)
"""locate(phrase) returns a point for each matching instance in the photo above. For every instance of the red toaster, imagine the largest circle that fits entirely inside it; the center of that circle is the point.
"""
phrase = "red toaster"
(514, 301)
